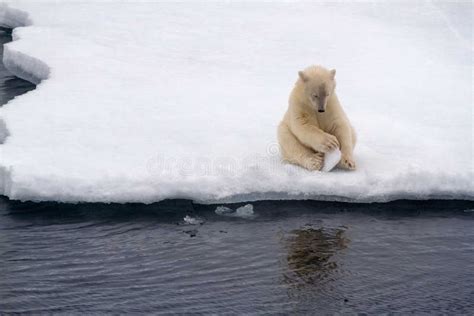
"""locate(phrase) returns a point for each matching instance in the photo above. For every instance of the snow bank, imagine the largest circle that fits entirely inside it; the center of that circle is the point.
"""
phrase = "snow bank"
(147, 101)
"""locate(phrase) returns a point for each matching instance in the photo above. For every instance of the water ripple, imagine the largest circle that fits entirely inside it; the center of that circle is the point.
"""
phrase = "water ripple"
(291, 258)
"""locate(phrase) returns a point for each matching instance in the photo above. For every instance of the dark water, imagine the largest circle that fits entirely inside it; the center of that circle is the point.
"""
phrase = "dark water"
(289, 258)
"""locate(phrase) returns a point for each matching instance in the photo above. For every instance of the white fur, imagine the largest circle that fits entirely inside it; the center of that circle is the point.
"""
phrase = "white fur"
(305, 134)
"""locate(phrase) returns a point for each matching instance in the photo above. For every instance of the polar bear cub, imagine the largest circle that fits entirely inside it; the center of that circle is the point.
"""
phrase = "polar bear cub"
(315, 122)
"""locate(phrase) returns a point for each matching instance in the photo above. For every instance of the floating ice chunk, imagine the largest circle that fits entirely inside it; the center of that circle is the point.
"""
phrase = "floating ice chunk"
(331, 159)
(223, 210)
(245, 211)
(193, 220)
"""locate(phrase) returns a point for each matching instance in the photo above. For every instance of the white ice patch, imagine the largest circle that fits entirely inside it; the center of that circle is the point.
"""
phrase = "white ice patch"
(193, 220)
(245, 211)
(331, 159)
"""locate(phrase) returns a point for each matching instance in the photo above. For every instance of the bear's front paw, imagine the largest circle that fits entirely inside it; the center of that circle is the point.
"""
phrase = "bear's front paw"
(328, 143)
(314, 162)
(347, 162)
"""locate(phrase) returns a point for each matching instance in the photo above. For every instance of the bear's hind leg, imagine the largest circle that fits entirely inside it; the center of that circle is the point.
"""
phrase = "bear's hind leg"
(295, 152)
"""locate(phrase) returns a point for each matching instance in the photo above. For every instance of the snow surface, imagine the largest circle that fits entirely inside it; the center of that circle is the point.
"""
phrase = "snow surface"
(193, 220)
(146, 101)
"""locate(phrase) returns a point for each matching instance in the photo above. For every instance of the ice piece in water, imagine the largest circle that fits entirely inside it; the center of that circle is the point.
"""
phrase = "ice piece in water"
(243, 211)
(193, 220)
(223, 210)
(331, 159)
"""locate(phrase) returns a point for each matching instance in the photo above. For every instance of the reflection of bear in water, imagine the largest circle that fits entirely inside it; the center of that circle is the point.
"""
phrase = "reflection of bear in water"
(310, 251)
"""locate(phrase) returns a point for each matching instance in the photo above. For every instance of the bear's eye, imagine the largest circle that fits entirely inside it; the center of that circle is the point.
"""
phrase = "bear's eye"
(315, 96)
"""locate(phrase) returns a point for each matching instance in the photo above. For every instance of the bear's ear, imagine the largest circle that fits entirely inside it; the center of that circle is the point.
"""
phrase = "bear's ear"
(303, 76)
(333, 73)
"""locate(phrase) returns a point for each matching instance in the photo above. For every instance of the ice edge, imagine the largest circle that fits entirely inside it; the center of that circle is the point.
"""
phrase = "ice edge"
(22, 66)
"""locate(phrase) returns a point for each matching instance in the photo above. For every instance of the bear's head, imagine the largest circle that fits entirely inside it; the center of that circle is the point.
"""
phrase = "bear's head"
(319, 85)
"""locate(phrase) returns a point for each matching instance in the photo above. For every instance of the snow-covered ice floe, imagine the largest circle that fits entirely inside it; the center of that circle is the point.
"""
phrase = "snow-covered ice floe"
(140, 102)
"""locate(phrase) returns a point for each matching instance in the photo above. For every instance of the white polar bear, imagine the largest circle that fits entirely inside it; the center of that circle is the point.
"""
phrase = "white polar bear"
(315, 122)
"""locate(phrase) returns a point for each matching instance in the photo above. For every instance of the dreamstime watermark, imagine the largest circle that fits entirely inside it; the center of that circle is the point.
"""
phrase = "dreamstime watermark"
(228, 166)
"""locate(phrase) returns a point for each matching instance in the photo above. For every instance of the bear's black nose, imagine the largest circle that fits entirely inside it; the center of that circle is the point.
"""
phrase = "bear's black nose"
(320, 111)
